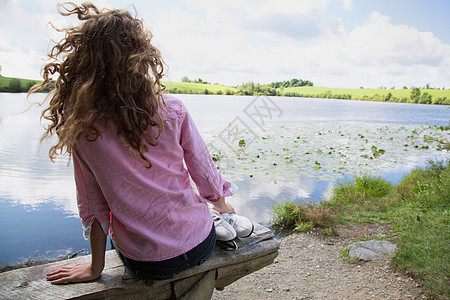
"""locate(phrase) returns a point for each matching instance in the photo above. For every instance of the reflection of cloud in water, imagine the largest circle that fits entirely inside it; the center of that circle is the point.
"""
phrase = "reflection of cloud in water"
(328, 151)
(27, 175)
(305, 158)
(255, 199)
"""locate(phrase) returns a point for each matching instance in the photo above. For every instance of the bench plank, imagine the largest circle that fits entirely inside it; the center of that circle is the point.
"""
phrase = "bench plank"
(220, 270)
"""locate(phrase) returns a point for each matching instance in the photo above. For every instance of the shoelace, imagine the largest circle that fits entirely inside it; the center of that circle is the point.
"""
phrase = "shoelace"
(217, 218)
(229, 218)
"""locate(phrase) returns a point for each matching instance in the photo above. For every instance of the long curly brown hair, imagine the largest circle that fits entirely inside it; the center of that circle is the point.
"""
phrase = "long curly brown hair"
(105, 76)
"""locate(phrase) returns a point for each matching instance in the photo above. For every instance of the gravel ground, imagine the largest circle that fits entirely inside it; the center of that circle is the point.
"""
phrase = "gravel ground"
(309, 266)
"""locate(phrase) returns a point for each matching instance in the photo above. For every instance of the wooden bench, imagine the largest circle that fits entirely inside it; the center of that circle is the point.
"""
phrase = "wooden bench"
(221, 269)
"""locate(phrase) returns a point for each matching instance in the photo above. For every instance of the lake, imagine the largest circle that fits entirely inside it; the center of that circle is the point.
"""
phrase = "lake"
(272, 148)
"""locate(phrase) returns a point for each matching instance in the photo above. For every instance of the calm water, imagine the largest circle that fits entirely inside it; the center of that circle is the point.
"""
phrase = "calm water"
(38, 212)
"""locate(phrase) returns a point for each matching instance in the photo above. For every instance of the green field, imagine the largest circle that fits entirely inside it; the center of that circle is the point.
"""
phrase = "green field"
(171, 87)
(4, 81)
(398, 95)
(360, 93)
(196, 88)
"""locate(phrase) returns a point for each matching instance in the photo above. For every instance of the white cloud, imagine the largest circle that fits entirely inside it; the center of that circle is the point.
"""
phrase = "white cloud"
(304, 19)
(389, 53)
(25, 34)
(241, 42)
(348, 4)
(378, 42)
(18, 51)
(262, 41)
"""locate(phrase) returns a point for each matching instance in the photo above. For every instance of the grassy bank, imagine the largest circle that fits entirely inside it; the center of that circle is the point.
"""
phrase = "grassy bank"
(20, 85)
(198, 88)
(417, 209)
(424, 96)
(16, 85)
(362, 93)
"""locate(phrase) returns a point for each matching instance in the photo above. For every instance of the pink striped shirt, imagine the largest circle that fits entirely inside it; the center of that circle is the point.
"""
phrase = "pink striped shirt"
(152, 214)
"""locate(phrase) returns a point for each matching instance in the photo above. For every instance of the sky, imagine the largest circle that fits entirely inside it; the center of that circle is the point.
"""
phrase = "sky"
(333, 43)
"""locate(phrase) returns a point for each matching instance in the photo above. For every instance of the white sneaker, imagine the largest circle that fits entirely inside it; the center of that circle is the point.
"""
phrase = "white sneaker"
(242, 225)
(224, 231)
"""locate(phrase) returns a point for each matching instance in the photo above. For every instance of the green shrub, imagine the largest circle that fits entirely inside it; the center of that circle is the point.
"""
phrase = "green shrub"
(360, 189)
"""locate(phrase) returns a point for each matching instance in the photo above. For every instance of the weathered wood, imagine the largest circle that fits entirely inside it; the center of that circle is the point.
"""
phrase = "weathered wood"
(229, 274)
(200, 286)
(220, 270)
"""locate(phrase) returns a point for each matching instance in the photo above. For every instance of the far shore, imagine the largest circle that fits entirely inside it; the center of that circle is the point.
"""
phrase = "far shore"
(426, 95)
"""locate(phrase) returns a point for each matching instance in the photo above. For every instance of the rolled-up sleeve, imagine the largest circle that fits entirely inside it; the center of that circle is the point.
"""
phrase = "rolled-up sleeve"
(91, 202)
(210, 183)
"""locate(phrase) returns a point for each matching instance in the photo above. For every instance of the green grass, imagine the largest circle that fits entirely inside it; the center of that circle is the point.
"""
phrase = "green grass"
(4, 81)
(435, 96)
(173, 87)
(192, 88)
(417, 209)
(360, 93)
(200, 88)
(302, 217)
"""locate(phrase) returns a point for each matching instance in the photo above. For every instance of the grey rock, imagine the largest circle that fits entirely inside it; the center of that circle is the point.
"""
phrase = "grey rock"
(370, 249)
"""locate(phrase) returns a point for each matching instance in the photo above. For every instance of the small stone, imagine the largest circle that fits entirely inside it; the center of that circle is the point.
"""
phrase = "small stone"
(286, 290)
(269, 290)
(370, 249)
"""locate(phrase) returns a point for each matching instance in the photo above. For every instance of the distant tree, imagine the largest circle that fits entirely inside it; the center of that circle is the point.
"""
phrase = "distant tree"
(185, 79)
(29, 85)
(415, 95)
(294, 82)
(388, 97)
(49, 87)
(425, 98)
(0, 70)
(405, 87)
(427, 86)
(15, 86)
(291, 83)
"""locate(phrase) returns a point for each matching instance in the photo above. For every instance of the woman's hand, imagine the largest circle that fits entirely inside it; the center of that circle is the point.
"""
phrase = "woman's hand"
(224, 207)
(78, 273)
(87, 271)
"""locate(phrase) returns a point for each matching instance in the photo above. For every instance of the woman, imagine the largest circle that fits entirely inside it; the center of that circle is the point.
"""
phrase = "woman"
(129, 145)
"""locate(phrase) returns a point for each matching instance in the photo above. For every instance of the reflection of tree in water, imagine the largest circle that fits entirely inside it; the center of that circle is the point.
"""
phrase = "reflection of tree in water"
(256, 199)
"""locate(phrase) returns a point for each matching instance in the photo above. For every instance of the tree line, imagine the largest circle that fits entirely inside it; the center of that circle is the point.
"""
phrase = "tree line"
(255, 89)
(416, 96)
(18, 86)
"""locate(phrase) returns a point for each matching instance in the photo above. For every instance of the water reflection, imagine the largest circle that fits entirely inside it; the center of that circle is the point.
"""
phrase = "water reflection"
(38, 211)
(27, 176)
(256, 200)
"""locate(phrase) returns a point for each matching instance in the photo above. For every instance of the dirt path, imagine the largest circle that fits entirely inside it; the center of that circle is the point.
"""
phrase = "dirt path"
(310, 267)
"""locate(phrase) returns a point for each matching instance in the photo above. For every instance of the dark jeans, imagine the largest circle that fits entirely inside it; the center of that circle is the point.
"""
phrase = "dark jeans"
(162, 270)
